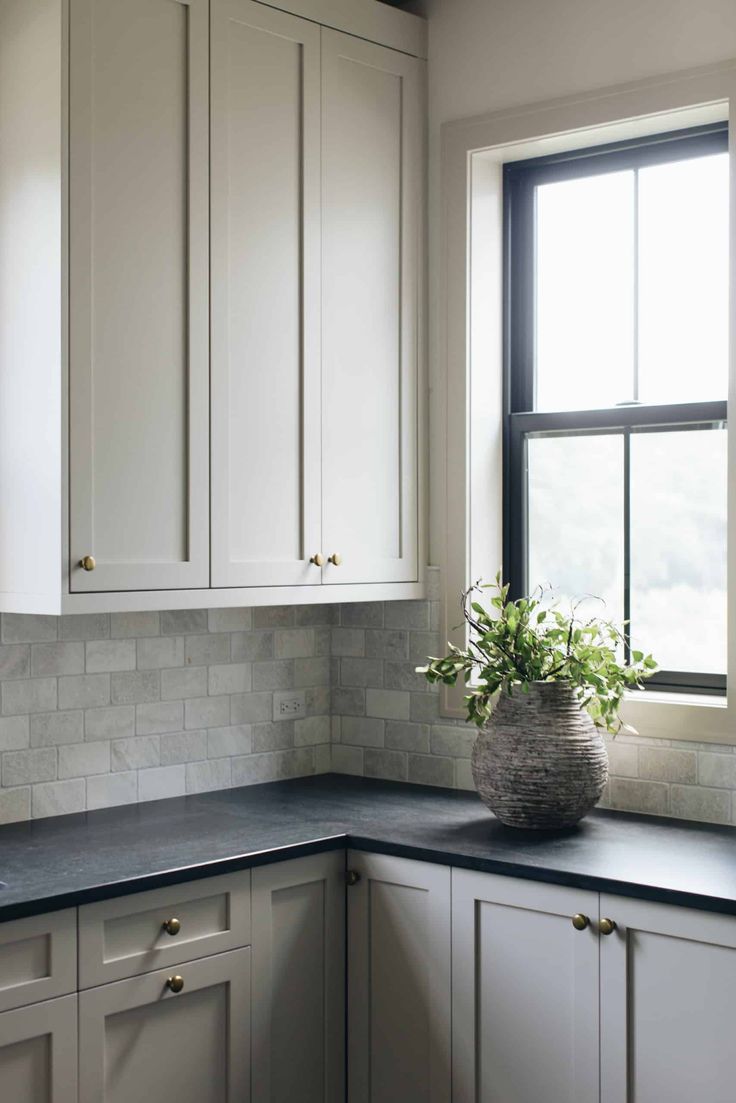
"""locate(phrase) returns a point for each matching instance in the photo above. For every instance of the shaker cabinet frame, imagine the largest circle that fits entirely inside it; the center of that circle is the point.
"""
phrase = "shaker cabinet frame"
(183, 460)
(124, 447)
(265, 166)
(144, 995)
(53, 1071)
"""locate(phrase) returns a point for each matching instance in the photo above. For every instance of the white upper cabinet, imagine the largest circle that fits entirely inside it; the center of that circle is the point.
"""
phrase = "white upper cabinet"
(226, 251)
(138, 293)
(371, 191)
(265, 296)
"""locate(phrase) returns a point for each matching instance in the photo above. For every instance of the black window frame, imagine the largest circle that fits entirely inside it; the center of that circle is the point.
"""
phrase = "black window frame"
(520, 180)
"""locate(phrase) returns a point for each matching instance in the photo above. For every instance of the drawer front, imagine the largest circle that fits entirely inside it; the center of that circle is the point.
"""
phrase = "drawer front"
(38, 958)
(152, 930)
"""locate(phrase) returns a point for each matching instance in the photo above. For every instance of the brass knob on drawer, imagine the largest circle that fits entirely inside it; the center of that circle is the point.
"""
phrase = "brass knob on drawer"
(607, 926)
(317, 559)
(580, 922)
(88, 563)
(172, 926)
(175, 983)
(335, 559)
(352, 877)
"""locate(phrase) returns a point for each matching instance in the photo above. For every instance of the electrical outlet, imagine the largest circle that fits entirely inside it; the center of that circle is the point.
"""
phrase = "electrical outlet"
(289, 705)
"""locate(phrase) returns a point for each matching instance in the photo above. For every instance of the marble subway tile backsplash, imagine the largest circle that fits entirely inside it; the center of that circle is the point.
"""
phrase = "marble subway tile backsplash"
(111, 709)
(97, 710)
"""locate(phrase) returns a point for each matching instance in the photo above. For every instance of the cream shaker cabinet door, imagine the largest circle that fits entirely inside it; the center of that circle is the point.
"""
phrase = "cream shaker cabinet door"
(175, 1036)
(668, 977)
(299, 980)
(371, 190)
(524, 992)
(265, 297)
(38, 1053)
(138, 294)
(398, 981)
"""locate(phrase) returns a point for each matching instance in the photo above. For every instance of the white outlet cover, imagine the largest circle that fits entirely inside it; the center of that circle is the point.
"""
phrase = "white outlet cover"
(289, 704)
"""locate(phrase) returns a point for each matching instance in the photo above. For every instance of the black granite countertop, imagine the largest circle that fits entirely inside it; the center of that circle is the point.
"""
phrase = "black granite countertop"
(68, 860)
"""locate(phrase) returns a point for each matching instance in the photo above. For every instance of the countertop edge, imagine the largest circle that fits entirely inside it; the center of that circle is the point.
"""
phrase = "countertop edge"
(164, 878)
(547, 875)
(347, 841)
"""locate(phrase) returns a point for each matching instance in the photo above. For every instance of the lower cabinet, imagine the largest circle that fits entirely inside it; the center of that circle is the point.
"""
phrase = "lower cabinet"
(299, 981)
(668, 978)
(461, 986)
(38, 1053)
(566, 996)
(174, 1036)
(524, 991)
(398, 980)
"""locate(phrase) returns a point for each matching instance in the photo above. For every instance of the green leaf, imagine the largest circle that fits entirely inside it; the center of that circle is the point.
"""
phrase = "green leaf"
(520, 643)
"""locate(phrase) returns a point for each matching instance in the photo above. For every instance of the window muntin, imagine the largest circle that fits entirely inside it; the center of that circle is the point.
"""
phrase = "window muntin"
(616, 374)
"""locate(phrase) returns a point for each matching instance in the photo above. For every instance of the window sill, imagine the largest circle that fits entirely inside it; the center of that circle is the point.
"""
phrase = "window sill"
(680, 716)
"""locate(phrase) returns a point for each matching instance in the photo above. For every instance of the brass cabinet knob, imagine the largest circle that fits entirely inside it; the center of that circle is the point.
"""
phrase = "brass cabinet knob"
(317, 559)
(580, 922)
(175, 983)
(607, 926)
(335, 559)
(172, 926)
(352, 877)
(88, 563)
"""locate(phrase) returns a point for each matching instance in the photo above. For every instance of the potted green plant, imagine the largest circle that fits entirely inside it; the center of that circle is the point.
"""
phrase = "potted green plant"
(542, 684)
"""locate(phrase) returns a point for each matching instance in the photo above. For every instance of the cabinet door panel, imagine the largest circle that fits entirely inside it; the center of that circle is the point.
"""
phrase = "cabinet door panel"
(668, 976)
(398, 981)
(299, 980)
(38, 1053)
(371, 177)
(138, 1040)
(139, 328)
(525, 992)
(38, 958)
(265, 296)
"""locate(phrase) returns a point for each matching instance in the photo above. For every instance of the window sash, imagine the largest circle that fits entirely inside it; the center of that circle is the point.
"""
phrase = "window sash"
(521, 420)
(619, 421)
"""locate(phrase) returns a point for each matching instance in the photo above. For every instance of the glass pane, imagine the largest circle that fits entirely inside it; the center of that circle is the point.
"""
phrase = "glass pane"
(576, 520)
(585, 292)
(683, 280)
(678, 548)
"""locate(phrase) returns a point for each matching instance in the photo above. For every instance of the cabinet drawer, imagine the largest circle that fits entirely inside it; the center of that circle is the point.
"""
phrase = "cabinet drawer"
(152, 930)
(38, 958)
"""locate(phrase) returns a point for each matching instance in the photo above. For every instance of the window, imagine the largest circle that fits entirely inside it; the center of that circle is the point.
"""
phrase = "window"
(616, 365)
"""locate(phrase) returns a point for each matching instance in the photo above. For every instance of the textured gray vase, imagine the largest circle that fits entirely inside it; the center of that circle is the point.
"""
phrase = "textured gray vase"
(540, 762)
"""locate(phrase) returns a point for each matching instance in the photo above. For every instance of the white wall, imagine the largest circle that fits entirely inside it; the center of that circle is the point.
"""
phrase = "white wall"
(489, 55)
(492, 54)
